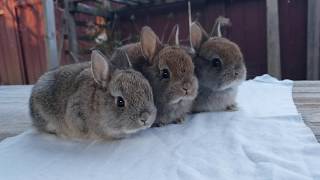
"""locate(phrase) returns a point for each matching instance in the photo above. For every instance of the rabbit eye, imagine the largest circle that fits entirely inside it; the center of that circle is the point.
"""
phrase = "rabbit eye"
(165, 74)
(216, 62)
(120, 102)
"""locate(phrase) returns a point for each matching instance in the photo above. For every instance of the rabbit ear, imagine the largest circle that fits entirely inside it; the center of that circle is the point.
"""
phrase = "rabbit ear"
(220, 22)
(174, 36)
(120, 59)
(150, 42)
(100, 68)
(129, 65)
(197, 35)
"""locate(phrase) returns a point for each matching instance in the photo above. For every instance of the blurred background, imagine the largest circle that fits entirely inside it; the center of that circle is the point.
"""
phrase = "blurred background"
(279, 37)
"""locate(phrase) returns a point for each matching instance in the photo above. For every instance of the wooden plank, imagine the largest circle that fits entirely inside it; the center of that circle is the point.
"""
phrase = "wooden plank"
(310, 112)
(273, 40)
(93, 11)
(10, 56)
(71, 30)
(293, 35)
(31, 34)
(248, 20)
(27, 2)
(313, 40)
(315, 95)
(50, 34)
(307, 83)
(307, 99)
(307, 90)
(3, 69)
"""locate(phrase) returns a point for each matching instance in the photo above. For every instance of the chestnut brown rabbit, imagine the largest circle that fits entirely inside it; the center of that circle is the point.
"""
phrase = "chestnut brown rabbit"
(93, 100)
(219, 66)
(170, 72)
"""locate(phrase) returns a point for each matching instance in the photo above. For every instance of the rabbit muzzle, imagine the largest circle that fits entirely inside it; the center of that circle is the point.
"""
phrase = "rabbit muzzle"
(186, 90)
(147, 118)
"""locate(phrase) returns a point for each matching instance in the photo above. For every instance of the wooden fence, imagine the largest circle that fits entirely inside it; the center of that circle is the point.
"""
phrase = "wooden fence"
(280, 37)
(22, 43)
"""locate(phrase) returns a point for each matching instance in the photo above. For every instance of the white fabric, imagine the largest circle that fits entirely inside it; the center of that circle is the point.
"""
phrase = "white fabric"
(265, 140)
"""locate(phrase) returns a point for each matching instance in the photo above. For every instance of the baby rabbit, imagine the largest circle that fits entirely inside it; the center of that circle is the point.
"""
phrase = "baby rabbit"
(219, 66)
(93, 100)
(170, 72)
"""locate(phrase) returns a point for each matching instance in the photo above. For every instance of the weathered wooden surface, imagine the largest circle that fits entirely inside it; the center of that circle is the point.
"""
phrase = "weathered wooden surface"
(50, 34)
(313, 40)
(306, 96)
(14, 104)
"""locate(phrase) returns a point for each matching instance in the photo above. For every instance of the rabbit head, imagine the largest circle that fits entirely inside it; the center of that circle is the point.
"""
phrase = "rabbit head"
(125, 104)
(170, 69)
(218, 61)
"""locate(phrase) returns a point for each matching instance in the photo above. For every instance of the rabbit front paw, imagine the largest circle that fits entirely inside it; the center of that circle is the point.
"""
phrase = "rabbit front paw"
(232, 107)
(157, 124)
(179, 120)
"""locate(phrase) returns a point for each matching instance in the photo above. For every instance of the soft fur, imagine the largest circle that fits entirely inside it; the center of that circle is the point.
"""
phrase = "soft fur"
(79, 100)
(150, 57)
(217, 85)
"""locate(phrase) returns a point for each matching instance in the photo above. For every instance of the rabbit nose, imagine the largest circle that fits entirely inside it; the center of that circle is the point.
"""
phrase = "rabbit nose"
(187, 86)
(186, 90)
(143, 121)
(236, 73)
(144, 116)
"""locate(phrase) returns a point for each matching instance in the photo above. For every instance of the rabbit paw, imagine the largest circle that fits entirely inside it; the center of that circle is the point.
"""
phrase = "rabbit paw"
(157, 124)
(179, 120)
(232, 107)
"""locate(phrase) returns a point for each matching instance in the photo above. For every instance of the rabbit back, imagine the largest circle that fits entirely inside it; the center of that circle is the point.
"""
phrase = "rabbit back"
(49, 97)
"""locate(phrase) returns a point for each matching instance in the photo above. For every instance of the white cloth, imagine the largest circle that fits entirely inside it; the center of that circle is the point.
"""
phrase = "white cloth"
(265, 140)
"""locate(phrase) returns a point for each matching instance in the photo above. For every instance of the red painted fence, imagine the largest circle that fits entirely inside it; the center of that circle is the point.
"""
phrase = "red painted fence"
(22, 53)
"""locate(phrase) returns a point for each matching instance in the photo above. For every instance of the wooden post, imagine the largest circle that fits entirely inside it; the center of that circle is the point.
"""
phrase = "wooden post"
(71, 31)
(273, 41)
(86, 9)
(313, 38)
(50, 34)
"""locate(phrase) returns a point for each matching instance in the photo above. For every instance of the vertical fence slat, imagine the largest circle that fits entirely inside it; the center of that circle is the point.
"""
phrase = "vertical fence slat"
(273, 40)
(30, 22)
(313, 38)
(50, 34)
(72, 32)
(12, 71)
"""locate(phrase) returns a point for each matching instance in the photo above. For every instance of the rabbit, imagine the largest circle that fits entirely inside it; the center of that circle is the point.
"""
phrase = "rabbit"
(93, 100)
(219, 66)
(170, 72)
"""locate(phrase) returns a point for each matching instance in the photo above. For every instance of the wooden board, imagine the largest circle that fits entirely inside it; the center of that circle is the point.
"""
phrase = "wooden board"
(313, 40)
(306, 96)
(14, 103)
(292, 23)
(31, 36)
(11, 64)
(50, 34)
(273, 39)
